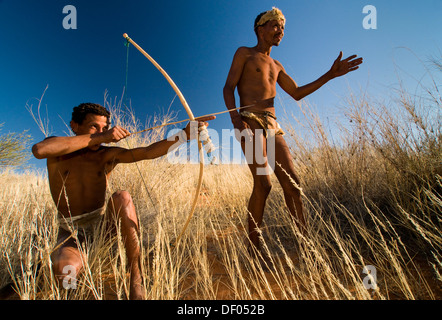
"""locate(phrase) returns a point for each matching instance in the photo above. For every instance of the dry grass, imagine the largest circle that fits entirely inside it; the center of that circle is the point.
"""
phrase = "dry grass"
(373, 198)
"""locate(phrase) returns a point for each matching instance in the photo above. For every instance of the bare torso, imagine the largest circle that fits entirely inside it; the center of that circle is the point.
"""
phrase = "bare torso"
(78, 180)
(257, 84)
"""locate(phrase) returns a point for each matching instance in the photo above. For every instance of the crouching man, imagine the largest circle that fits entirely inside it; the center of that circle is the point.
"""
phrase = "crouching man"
(78, 169)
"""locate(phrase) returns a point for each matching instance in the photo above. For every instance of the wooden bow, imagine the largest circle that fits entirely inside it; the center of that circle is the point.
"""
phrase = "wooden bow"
(191, 117)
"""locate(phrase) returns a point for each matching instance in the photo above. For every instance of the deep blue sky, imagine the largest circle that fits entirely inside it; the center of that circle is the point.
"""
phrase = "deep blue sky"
(194, 41)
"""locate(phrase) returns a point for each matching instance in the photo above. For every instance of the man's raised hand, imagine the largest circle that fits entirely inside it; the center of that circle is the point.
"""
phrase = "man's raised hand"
(201, 122)
(114, 134)
(342, 67)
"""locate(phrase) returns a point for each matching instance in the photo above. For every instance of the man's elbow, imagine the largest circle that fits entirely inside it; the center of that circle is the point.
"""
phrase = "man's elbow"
(297, 94)
(297, 97)
(228, 89)
(37, 152)
(225, 90)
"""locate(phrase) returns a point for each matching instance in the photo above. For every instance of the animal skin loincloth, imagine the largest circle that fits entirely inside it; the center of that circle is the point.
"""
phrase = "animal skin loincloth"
(84, 224)
(266, 120)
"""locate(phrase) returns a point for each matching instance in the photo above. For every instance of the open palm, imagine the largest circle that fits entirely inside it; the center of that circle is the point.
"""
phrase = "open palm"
(341, 67)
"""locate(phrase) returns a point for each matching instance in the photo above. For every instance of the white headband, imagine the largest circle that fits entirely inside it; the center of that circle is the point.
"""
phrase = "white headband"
(274, 14)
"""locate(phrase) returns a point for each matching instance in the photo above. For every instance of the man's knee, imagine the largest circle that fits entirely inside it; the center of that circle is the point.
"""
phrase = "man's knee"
(290, 183)
(120, 201)
(122, 198)
(67, 267)
(263, 185)
(122, 204)
(292, 188)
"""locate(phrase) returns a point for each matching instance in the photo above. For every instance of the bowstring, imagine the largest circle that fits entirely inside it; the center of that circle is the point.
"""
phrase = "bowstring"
(127, 44)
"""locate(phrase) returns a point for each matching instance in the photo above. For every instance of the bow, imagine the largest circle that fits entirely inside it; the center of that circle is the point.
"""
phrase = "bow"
(191, 117)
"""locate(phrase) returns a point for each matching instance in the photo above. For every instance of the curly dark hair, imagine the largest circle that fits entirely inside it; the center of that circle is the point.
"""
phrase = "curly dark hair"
(81, 111)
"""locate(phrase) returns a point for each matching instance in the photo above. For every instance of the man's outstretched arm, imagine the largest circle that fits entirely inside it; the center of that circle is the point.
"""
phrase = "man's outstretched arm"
(339, 68)
(157, 149)
(58, 146)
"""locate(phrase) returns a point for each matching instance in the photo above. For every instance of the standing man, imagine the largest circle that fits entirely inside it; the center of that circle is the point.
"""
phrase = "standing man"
(255, 74)
(78, 169)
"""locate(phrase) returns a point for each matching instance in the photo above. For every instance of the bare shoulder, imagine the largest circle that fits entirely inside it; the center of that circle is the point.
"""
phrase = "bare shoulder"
(112, 153)
(280, 69)
(243, 52)
(279, 64)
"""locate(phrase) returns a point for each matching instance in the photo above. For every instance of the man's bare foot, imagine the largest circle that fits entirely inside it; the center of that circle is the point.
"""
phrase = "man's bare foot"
(137, 291)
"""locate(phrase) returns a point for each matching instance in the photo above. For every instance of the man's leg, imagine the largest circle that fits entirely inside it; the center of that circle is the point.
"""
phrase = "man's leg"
(289, 182)
(122, 208)
(67, 260)
(257, 201)
(262, 185)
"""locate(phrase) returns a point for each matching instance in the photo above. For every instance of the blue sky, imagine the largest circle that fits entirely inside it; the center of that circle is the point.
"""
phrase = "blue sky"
(194, 41)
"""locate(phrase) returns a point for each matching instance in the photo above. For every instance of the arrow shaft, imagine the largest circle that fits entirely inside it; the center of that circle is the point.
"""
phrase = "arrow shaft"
(197, 118)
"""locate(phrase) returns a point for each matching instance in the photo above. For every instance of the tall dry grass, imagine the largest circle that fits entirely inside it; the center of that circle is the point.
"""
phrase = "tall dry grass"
(372, 197)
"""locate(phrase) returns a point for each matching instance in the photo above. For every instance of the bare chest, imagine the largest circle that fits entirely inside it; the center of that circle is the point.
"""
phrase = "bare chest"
(79, 176)
(262, 68)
